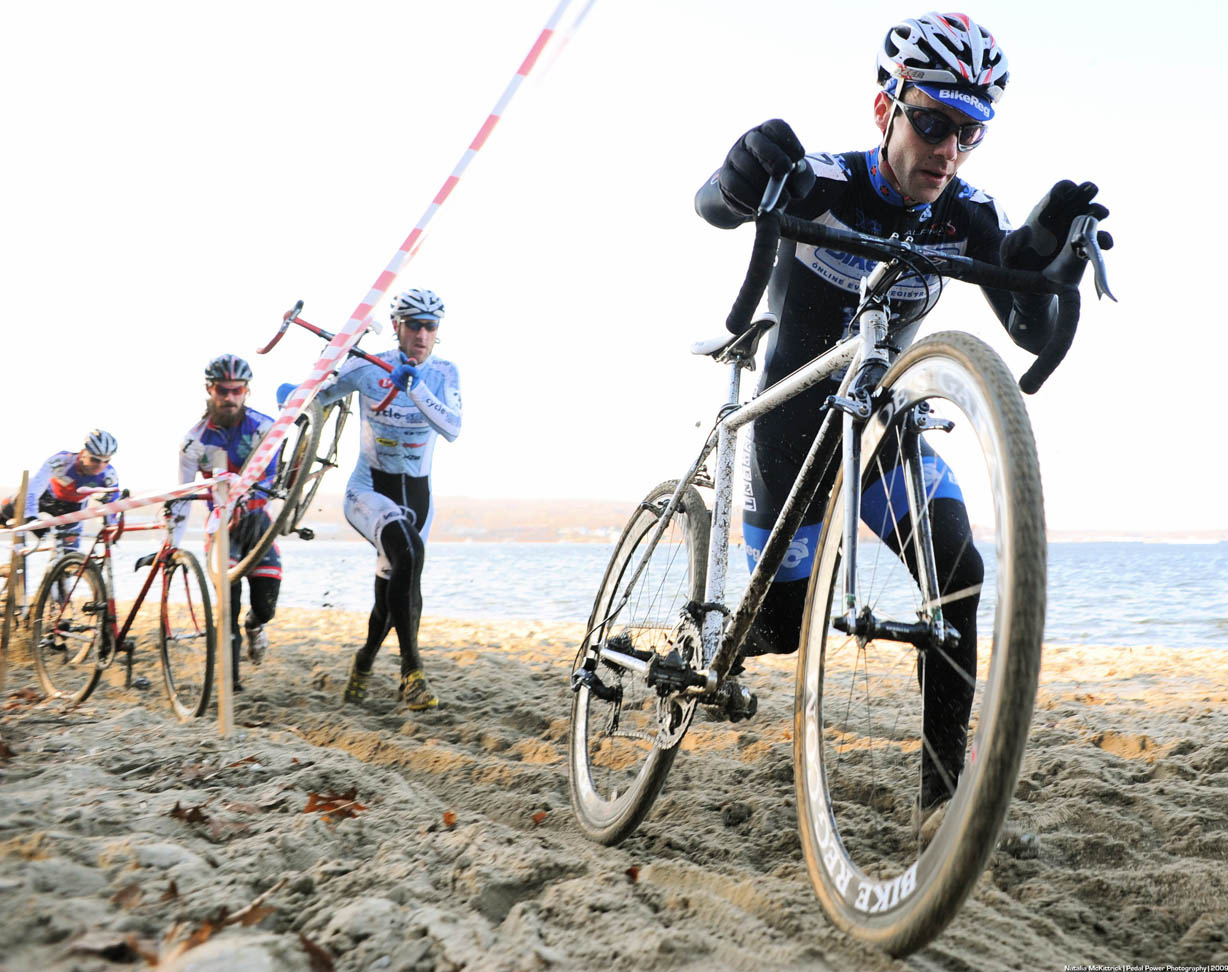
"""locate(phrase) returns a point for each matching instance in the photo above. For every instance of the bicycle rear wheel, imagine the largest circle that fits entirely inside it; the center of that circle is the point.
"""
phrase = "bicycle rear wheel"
(294, 461)
(884, 872)
(69, 628)
(624, 735)
(336, 413)
(187, 636)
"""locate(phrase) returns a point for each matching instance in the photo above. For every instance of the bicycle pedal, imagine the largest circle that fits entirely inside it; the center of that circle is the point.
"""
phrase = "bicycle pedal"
(734, 703)
(306, 533)
(141, 682)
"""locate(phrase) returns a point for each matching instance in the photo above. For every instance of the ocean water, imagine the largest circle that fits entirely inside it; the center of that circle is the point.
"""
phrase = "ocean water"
(1125, 593)
(1116, 593)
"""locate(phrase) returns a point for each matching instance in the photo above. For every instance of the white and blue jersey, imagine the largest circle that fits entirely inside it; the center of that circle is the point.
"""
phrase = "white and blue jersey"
(392, 477)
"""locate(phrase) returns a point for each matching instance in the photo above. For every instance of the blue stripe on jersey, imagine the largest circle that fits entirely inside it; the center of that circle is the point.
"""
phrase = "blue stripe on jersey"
(884, 503)
(882, 506)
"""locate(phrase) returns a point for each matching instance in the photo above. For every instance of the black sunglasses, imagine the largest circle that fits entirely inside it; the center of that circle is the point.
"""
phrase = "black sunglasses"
(935, 128)
(416, 325)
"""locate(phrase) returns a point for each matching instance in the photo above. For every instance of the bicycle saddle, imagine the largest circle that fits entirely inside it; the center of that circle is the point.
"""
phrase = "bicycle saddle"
(746, 343)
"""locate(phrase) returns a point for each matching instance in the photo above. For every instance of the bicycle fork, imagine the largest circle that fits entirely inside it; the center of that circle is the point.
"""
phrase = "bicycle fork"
(931, 629)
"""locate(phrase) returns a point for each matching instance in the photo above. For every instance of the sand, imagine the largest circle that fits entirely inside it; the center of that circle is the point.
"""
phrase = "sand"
(328, 836)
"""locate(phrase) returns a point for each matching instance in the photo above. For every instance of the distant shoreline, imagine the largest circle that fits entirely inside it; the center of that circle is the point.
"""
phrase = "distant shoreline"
(461, 519)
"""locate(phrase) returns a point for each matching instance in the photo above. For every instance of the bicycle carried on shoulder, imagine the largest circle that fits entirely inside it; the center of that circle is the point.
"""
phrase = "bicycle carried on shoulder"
(77, 636)
(300, 465)
(876, 634)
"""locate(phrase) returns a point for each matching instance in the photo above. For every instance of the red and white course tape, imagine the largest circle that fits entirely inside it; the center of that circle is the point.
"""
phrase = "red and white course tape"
(359, 321)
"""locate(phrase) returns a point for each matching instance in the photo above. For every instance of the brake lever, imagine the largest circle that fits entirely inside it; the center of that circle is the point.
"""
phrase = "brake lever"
(775, 186)
(1087, 247)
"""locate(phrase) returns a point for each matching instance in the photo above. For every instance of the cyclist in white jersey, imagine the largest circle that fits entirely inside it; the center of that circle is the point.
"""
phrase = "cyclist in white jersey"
(388, 496)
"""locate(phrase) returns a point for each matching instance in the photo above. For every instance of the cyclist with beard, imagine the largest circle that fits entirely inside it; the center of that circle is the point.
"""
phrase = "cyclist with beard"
(224, 437)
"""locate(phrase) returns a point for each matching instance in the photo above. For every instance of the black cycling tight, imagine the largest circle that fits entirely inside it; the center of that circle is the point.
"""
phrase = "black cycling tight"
(263, 593)
(398, 597)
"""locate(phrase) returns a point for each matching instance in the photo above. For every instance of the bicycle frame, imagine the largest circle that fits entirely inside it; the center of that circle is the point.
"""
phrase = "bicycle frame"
(862, 355)
(115, 637)
(721, 640)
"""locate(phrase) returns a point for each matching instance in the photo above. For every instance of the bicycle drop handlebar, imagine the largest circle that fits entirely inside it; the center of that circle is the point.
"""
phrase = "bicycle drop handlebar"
(291, 317)
(1060, 278)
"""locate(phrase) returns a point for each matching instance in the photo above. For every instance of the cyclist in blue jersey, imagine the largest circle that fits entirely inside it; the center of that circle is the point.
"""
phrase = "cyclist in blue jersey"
(388, 496)
(940, 77)
(224, 437)
(55, 488)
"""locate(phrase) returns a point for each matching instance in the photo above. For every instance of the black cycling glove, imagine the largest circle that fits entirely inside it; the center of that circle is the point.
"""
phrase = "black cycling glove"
(767, 150)
(1036, 243)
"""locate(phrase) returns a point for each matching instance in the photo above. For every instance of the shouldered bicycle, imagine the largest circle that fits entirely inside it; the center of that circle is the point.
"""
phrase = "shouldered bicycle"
(300, 463)
(661, 639)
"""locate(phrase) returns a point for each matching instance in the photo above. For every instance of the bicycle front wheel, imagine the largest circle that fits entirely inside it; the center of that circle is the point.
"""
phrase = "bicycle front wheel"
(294, 462)
(187, 636)
(909, 735)
(624, 735)
(69, 628)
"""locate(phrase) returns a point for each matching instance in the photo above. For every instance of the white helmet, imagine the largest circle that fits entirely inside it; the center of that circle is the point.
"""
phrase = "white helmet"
(419, 304)
(100, 443)
(948, 56)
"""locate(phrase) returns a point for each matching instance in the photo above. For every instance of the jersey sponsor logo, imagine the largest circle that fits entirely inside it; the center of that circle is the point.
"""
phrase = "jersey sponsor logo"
(843, 270)
(385, 383)
(400, 415)
(385, 442)
(798, 559)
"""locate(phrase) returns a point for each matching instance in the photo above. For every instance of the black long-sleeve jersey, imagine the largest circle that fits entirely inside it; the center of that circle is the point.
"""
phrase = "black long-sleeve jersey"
(814, 290)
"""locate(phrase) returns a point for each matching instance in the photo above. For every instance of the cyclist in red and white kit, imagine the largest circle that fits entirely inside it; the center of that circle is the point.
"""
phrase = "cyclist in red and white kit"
(55, 488)
(223, 438)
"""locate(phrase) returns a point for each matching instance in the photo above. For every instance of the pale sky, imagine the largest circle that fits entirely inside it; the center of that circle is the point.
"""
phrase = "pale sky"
(177, 176)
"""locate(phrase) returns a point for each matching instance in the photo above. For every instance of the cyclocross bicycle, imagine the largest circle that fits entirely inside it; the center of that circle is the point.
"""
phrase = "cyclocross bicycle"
(300, 465)
(661, 639)
(76, 635)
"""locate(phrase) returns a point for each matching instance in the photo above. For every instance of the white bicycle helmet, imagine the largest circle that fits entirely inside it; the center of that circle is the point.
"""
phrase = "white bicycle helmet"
(950, 57)
(227, 367)
(100, 443)
(419, 304)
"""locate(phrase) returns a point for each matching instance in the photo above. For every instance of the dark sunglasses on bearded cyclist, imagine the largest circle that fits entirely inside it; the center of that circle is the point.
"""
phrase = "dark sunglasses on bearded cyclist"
(935, 128)
(416, 324)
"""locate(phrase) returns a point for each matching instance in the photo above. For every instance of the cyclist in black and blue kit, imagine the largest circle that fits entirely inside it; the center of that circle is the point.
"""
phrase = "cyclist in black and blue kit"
(388, 496)
(940, 77)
